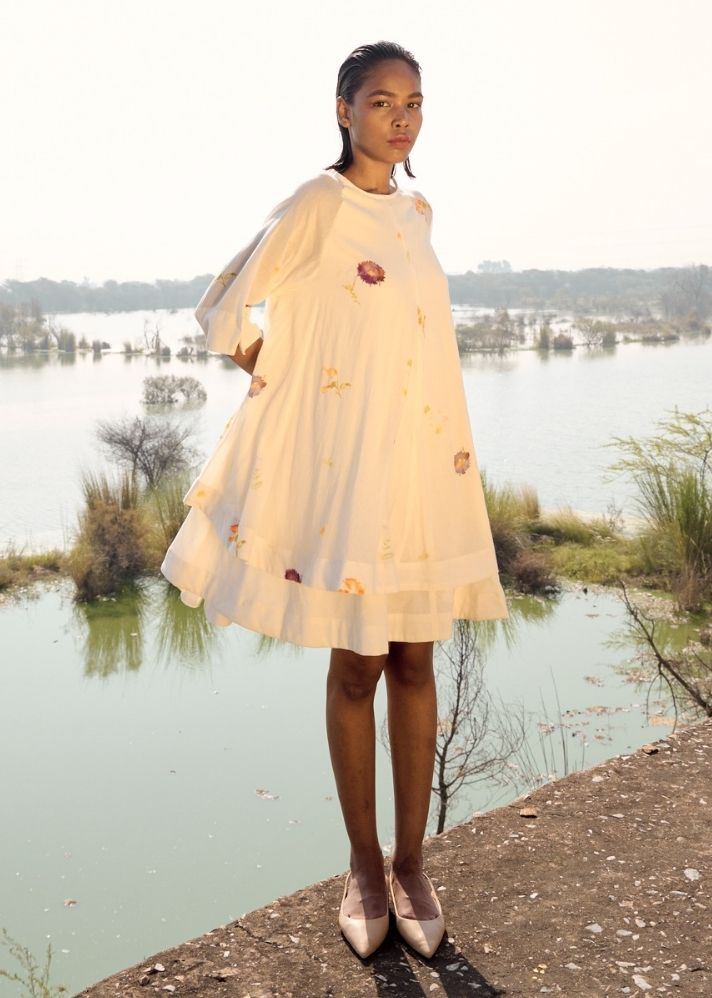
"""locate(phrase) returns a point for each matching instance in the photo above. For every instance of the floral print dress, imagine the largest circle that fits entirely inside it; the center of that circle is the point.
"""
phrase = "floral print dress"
(342, 506)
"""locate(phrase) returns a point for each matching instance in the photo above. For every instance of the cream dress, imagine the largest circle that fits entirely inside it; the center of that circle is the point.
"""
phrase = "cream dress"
(342, 505)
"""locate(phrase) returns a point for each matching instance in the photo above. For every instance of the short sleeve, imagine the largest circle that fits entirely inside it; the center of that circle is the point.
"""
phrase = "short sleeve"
(286, 251)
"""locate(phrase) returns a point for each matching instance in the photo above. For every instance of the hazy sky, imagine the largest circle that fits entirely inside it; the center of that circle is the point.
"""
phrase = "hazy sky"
(149, 139)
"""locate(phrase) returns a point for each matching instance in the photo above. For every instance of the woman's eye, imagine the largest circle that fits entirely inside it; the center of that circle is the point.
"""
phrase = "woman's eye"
(412, 103)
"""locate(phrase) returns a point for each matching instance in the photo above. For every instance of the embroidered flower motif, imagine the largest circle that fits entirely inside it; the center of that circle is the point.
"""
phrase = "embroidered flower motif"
(233, 537)
(331, 372)
(422, 206)
(293, 575)
(421, 317)
(200, 492)
(370, 272)
(223, 278)
(462, 461)
(352, 586)
(256, 385)
(386, 551)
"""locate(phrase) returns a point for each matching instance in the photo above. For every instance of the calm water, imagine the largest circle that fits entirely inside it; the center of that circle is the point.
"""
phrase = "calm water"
(544, 421)
(135, 737)
(134, 741)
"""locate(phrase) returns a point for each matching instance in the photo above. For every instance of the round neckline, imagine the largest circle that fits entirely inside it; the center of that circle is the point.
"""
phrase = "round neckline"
(368, 194)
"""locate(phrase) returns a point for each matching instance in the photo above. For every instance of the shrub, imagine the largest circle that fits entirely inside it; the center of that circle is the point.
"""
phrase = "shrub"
(111, 543)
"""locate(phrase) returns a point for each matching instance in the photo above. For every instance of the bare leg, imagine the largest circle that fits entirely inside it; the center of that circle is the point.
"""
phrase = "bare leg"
(412, 725)
(351, 732)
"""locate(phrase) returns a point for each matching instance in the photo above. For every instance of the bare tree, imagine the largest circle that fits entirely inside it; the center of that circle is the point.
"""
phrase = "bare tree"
(153, 448)
(678, 674)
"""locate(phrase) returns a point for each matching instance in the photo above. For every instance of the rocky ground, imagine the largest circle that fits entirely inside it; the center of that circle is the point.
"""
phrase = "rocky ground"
(597, 884)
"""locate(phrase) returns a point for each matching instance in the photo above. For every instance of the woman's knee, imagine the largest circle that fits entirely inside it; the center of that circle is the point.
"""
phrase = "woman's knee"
(356, 676)
(410, 662)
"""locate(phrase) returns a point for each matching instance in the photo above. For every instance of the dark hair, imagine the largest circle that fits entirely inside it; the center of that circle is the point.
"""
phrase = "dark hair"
(352, 74)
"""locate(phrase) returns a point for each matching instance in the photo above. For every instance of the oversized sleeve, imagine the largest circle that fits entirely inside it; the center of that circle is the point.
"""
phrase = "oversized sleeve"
(286, 250)
(425, 208)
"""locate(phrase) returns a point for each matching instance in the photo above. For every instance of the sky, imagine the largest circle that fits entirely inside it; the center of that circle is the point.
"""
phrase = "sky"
(149, 139)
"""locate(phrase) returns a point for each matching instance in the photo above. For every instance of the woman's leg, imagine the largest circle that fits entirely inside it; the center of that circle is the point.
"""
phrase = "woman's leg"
(351, 731)
(412, 726)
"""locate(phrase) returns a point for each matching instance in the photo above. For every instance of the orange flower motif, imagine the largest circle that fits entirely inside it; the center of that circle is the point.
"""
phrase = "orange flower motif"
(233, 532)
(370, 272)
(422, 206)
(352, 586)
(462, 461)
(256, 385)
(293, 575)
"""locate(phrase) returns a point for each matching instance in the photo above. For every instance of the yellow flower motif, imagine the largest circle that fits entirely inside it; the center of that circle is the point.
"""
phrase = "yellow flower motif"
(423, 555)
(352, 586)
(386, 551)
(256, 479)
(200, 492)
(422, 206)
(421, 317)
(223, 278)
(322, 530)
(331, 372)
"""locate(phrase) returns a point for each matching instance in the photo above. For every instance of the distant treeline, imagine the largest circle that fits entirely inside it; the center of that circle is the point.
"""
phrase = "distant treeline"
(666, 291)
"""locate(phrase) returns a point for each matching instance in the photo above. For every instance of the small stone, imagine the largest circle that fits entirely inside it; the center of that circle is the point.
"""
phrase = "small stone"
(572, 966)
(528, 812)
(594, 927)
(692, 874)
(159, 967)
(641, 983)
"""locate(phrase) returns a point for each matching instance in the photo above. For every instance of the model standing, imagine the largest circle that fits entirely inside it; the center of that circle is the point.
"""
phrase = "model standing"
(343, 506)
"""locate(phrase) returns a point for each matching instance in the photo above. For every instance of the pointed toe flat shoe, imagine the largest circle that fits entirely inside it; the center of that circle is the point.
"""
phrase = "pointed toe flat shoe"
(364, 934)
(424, 935)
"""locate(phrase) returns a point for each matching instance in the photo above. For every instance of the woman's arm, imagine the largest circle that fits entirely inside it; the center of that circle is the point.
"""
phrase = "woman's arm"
(248, 359)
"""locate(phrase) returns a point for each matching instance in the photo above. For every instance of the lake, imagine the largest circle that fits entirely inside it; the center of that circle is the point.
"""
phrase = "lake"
(543, 420)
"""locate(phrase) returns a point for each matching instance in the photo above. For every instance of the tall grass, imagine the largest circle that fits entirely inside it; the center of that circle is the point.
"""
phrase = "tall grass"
(673, 475)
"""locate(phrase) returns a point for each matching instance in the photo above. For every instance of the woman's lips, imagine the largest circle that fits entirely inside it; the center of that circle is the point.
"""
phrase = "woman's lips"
(400, 141)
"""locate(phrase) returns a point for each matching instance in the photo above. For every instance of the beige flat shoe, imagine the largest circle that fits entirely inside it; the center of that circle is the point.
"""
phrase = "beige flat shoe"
(364, 934)
(423, 935)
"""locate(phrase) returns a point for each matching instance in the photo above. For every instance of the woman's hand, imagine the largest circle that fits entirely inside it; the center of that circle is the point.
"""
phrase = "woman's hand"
(248, 359)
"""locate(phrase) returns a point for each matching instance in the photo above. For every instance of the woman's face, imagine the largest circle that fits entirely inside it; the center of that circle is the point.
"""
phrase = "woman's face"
(387, 106)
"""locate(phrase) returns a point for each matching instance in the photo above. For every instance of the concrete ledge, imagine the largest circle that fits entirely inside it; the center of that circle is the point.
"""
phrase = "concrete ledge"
(605, 891)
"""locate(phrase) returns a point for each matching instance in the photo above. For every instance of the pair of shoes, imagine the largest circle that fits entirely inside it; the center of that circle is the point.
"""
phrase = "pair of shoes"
(364, 934)
(423, 935)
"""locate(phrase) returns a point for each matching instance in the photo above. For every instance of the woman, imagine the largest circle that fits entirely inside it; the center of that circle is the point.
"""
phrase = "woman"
(343, 506)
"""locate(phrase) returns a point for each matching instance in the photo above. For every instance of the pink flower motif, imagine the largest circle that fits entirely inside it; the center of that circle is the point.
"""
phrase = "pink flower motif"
(256, 385)
(293, 575)
(462, 461)
(370, 272)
